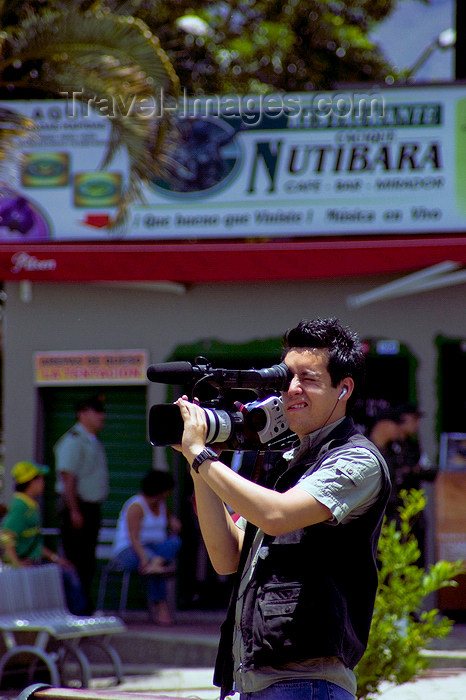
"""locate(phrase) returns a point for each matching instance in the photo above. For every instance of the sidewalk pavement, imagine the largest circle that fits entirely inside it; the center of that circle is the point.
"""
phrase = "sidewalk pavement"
(197, 683)
(178, 661)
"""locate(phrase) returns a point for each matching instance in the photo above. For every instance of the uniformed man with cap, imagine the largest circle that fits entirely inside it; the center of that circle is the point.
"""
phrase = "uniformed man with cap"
(82, 482)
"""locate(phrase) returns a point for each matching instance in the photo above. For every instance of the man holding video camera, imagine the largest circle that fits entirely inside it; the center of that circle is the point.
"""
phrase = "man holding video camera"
(305, 551)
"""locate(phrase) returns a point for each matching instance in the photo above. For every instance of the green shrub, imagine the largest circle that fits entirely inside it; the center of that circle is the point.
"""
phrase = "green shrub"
(401, 628)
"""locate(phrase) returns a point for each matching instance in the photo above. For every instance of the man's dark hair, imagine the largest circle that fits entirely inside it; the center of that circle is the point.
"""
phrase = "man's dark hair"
(155, 482)
(346, 357)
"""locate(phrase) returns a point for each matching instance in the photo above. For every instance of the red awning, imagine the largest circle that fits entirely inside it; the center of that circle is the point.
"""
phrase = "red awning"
(227, 261)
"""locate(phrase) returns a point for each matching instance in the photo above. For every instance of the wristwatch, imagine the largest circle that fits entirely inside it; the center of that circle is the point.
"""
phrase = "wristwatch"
(207, 453)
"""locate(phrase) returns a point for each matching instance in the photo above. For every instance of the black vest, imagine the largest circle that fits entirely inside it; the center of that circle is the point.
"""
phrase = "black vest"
(313, 590)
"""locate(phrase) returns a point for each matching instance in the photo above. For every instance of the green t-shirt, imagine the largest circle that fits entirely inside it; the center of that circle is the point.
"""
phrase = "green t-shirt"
(21, 527)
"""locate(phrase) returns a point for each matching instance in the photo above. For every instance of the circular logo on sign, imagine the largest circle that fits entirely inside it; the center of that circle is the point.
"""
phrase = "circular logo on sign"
(203, 160)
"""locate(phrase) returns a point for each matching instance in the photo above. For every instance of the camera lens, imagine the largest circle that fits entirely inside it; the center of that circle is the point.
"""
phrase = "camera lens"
(218, 425)
(165, 425)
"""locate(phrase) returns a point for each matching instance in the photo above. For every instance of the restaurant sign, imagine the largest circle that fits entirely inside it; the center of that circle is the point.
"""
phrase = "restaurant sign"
(388, 161)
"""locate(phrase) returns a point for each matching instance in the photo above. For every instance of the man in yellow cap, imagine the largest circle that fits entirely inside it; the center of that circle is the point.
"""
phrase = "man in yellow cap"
(20, 534)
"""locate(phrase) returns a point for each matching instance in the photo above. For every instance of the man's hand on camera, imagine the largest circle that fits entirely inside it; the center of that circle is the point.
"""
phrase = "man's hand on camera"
(195, 428)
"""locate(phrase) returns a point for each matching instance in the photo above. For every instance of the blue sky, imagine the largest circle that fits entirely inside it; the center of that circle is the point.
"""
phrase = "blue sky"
(412, 27)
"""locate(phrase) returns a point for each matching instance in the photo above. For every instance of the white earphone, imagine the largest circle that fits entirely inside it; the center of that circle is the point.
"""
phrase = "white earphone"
(343, 392)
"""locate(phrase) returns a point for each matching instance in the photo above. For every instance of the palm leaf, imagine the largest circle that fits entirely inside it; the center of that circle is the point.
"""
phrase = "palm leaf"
(123, 42)
(99, 57)
(14, 127)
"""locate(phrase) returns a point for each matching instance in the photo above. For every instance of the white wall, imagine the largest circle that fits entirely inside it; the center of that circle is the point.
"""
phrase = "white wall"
(86, 317)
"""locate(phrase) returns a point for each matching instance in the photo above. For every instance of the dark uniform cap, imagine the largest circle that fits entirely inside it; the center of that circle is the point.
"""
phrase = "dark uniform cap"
(91, 402)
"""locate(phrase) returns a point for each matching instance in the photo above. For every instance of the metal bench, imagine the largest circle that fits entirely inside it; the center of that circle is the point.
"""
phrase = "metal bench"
(32, 600)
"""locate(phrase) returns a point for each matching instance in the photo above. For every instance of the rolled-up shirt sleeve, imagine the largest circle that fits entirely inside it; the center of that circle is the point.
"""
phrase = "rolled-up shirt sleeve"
(347, 485)
(69, 455)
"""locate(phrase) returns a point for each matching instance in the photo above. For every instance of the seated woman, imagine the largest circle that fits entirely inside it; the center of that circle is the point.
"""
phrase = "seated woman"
(147, 539)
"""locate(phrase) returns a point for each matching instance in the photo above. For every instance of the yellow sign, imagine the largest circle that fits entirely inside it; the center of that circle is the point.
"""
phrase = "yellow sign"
(91, 367)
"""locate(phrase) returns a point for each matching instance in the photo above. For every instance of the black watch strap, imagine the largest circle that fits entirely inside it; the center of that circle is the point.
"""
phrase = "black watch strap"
(207, 453)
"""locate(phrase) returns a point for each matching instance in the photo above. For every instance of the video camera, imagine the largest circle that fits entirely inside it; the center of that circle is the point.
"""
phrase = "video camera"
(257, 425)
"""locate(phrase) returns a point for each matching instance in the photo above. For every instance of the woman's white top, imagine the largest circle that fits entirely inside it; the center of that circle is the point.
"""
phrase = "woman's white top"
(153, 527)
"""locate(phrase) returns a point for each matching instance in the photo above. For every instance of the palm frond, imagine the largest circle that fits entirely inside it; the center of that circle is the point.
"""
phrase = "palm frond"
(99, 57)
(122, 46)
(14, 128)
